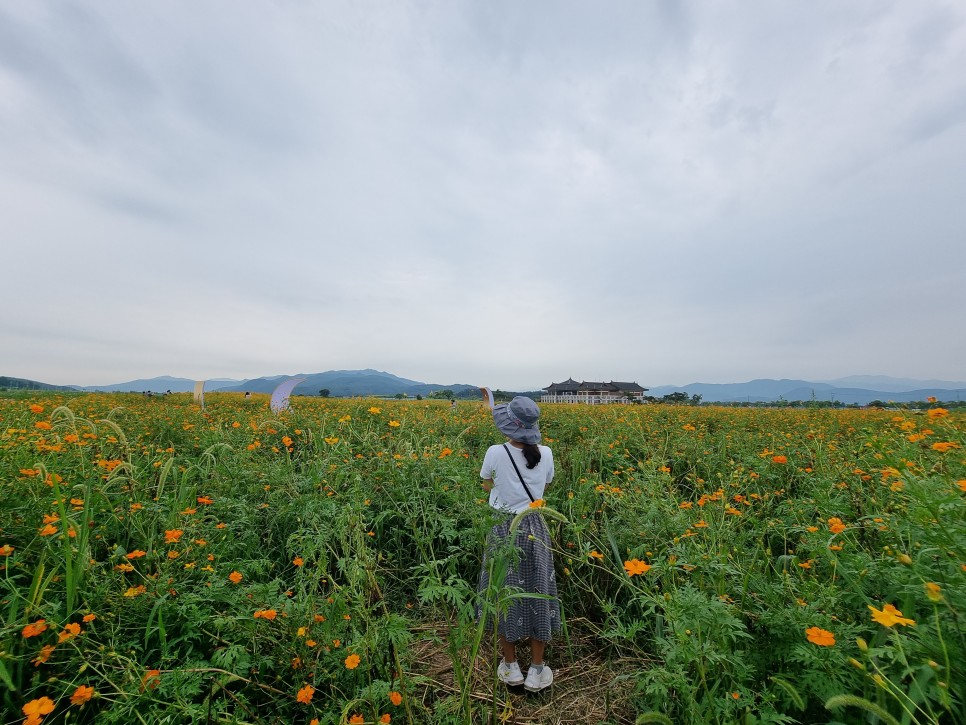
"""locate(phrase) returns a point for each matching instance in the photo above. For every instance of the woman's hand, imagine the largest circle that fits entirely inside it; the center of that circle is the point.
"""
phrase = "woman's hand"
(487, 484)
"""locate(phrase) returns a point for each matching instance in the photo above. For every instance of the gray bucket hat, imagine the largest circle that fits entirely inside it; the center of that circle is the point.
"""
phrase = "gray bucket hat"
(517, 420)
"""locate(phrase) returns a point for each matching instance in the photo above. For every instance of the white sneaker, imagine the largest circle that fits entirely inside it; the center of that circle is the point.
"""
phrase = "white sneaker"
(509, 674)
(536, 682)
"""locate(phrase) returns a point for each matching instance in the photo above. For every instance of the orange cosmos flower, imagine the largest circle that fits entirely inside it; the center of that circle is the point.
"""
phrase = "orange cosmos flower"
(937, 413)
(235, 577)
(352, 661)
(819, 636)
(150, 679)
(934, 592)
(69, 632)
(539, 503)
(305, 694)
(35, 628)
(357, 720)
(36, 408)
(889, 616)
(835, 525)
(595, 555)
(945, 446)
(136, 554)
(42, 425)
(298, 561)
(172, 535)
(636, 566)
(81, 695)
(45, 652)
(395, 698)
(268, 614)
(779, 459)
(135, 591)
(7, 550)
(205, 500)
(36, 709)
(48, 530)
(385, 719)
(90, 617)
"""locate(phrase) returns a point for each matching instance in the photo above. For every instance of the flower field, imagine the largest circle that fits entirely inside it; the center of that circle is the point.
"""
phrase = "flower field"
(160, 563)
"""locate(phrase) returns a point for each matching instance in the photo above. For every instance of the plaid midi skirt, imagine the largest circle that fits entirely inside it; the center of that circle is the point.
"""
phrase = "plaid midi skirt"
(532, 572)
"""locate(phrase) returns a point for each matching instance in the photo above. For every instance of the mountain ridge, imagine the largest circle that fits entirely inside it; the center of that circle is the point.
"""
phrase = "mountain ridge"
(369, 381)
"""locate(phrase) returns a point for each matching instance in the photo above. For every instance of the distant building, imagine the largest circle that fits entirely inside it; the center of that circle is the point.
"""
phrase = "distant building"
(570, 391)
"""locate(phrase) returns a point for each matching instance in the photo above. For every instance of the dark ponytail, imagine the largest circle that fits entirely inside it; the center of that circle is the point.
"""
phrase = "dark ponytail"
(532, 453)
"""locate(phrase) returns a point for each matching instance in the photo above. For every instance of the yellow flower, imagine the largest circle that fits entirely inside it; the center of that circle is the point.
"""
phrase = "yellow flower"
(394, 424)
(889, 616)
(596, 555)
(934, 592)
(937, 412)
(374, 410)
(944, 446)
(352, 661)
(539, 503)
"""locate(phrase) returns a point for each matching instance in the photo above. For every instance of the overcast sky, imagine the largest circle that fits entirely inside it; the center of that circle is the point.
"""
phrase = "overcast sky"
(503, 193)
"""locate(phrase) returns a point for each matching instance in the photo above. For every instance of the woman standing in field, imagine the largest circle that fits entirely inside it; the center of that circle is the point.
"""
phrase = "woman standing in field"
(516, 474)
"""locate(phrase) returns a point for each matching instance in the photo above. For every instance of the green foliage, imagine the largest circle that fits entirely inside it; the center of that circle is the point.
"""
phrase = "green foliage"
(700, 544)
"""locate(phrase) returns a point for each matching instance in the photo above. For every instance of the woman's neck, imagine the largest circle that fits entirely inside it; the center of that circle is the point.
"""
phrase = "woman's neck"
(516, 444)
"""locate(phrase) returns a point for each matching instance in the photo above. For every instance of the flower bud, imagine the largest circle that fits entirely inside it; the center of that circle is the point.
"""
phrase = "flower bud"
(905, 559)
(862, 644)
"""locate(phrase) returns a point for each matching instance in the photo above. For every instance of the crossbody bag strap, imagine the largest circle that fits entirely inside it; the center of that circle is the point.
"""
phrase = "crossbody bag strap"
(525, 486)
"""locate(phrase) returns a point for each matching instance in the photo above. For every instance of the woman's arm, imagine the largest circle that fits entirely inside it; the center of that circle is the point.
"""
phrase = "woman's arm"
(487, 484)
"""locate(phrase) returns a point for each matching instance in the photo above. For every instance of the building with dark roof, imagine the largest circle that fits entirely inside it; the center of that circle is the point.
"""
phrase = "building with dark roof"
(592, 393)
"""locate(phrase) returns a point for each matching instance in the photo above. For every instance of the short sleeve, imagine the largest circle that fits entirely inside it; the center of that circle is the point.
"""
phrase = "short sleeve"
(488, 469)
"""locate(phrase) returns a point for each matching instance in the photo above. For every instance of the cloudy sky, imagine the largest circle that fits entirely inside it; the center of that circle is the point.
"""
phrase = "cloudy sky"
(504, 193)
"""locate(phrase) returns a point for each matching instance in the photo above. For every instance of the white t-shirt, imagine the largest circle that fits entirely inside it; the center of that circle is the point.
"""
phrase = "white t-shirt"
(508, 493)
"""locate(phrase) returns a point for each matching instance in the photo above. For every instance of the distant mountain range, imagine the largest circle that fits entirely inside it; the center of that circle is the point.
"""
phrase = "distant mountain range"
(855, 389)
(844, 390)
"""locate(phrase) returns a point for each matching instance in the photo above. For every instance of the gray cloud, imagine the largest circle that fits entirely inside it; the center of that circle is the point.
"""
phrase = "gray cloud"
(501, 192)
